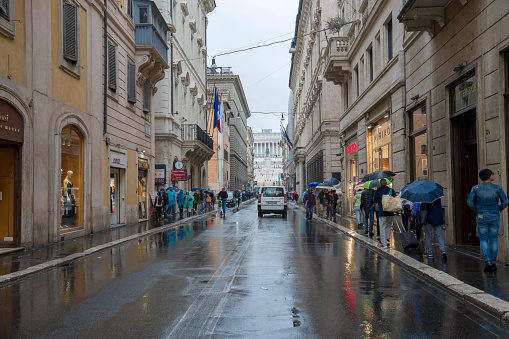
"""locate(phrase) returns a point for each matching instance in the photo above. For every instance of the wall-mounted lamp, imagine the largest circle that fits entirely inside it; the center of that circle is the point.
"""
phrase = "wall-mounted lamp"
(459, 67)
(184, 119)
(415, 97)
(293, 50)
(282, 116)
(213, 66)
(386, 116)
(370, 126)
(175, 113)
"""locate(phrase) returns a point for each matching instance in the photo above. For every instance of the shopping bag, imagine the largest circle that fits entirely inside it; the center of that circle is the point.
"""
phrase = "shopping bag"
(391, 204)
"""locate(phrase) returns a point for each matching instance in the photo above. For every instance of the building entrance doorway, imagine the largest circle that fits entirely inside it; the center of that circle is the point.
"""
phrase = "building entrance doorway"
(117, 196)
(465, 169)
(9, 196)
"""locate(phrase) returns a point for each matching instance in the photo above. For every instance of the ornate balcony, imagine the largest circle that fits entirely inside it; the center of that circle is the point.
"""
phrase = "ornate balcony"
(337, 66)
(151, 47)
(421, 15)
(196, 143)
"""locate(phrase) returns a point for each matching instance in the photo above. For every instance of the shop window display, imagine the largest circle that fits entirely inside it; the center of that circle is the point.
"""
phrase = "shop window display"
(379, 145)
(71, 177)
(418, 144)
(142, 194)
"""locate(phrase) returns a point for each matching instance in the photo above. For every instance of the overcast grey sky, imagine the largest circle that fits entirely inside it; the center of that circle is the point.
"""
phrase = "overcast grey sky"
(236, 24)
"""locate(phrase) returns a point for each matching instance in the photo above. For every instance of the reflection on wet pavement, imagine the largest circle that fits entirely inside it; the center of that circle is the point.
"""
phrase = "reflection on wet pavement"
(236, 277)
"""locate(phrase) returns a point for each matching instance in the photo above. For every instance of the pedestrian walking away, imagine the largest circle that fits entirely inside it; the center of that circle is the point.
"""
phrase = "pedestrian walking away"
(309, 202)
(434, 222)
(367, 198)
(180, 201)
(188, 204)
(487, 200)
(357, 207)
(384, 217)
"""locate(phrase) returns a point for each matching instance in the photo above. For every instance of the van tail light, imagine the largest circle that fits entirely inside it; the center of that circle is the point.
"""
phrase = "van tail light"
(260, 198)
(285, 198)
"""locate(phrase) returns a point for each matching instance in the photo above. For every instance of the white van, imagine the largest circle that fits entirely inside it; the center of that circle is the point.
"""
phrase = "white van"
(272, 199)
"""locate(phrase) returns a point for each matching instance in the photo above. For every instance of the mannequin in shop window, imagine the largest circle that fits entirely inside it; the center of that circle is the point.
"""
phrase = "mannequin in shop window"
(68, 194)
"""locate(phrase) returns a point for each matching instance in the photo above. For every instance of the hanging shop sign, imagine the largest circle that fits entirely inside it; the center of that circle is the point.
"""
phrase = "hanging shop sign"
(160, 174)
(11, 124)
(143, 165)
(179, 175)
(118, 160)
(352, 148)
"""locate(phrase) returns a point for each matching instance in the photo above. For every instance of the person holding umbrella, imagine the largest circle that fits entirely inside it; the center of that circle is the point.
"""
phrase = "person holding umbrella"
(384, 217)
(487, 200)
(426, 197)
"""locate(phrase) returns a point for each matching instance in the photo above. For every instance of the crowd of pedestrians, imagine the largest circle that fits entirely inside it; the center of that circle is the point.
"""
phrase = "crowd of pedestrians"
(172, 200)
(487, 200)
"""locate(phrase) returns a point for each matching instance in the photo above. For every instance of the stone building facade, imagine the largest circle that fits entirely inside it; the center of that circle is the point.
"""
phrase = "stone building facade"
(316, 102)
(456, 101)
(230, 88)
(365, 58)
(250, 157)
(181, 104)
(75, 115)
(268, 158)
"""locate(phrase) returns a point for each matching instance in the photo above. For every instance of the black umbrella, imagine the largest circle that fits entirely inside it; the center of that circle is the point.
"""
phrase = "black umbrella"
(378, 175)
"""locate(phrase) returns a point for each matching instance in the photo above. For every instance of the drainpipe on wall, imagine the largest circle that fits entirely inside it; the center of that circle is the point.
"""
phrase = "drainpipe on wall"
(105, 94)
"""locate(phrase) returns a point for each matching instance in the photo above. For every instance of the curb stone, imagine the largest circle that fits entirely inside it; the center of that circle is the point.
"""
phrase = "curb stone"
(11, 277)
(495, 306)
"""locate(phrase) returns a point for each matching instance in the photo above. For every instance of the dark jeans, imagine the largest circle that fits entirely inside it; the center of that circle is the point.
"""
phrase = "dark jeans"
(158, 212)
(309, 211)
(377, 225)
(369, 219)
(181, 210)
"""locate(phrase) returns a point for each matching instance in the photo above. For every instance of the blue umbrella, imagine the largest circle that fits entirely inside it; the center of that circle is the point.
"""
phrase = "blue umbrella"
(199, 189)
(332, 181)
(314, 184)
(422, 191)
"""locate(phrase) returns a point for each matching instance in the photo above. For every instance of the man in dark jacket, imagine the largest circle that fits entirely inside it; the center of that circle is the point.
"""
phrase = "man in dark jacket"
(384, 218)
(435, 221)
(309, 202)
(367, 197)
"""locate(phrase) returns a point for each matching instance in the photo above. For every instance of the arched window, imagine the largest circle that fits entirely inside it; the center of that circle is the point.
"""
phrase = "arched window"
(70, 195)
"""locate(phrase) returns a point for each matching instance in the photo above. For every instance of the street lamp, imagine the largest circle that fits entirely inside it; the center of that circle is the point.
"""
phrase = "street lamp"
(214, 65)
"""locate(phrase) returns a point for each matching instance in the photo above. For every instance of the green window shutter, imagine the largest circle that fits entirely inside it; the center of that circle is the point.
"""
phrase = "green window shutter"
(70, 36)
(131, 83)
(146, 96)
(4, 9)
(112, 67)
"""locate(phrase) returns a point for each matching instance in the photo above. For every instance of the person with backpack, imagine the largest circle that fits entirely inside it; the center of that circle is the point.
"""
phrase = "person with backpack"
(487, 200)
(384, 217)
(367, 199)
(309, 202)
(323, 198)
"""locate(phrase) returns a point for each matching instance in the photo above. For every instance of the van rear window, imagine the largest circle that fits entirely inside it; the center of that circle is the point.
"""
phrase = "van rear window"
(273, 192)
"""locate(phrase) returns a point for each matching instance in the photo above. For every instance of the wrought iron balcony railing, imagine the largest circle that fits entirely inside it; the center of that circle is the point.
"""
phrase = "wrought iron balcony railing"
(193, 132)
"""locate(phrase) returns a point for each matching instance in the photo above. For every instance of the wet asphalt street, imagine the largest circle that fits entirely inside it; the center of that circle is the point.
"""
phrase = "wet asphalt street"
(239, 277)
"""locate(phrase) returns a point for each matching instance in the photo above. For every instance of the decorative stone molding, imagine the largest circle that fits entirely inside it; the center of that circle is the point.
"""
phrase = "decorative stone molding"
(192, 25)
(183, 6)
(149, 68)
(193, 89)
(199, 40)
(186, 80)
